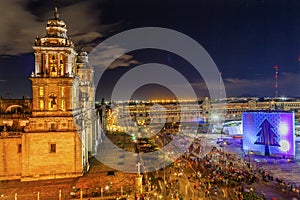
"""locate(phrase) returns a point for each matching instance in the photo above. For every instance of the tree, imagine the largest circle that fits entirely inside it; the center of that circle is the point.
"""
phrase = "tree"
(267, 136)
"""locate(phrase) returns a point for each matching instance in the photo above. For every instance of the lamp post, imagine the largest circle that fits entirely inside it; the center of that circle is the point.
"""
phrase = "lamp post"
(249, 158)
(81, 194)
(101, 192)
(223, 144)
(155, 195)
(164, 193)
(59, 194)
(139, 179)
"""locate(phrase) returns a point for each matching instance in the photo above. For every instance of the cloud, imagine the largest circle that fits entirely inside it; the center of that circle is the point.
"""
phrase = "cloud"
(124, 61)
(105, 56)
(238, 82)
(83, 22)
(288, 82)
(288, 85)
(19, 26)
(86, 37)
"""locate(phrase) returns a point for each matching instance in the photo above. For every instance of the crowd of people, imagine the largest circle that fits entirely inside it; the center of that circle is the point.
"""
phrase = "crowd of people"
(219, 169)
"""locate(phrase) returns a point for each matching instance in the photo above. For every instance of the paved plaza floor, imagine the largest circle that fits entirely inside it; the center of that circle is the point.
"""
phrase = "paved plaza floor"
(91, 183)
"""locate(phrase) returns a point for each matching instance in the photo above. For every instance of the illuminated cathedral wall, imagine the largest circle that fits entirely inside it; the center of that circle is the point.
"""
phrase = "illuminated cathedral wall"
(269, 133)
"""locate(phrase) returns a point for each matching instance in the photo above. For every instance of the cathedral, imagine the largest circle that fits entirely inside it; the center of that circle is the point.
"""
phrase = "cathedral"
(63, 128)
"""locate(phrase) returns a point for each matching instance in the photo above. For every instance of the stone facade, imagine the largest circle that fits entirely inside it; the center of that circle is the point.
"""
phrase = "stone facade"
(15, 106)
(63, 126)
(10, 157)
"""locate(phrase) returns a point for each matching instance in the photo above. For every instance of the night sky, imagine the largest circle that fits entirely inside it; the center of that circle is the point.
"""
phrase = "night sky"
(245, 38)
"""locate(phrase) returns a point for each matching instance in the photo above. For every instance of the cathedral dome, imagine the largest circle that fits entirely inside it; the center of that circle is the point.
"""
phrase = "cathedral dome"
(56, 23)
(56, 27)
(56, 33)
(82, 59)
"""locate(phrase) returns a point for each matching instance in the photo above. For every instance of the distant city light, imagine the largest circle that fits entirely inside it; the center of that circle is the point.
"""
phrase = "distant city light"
(283, 98)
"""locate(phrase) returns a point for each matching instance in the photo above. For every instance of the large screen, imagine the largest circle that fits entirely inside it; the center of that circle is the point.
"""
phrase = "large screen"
(269, 133)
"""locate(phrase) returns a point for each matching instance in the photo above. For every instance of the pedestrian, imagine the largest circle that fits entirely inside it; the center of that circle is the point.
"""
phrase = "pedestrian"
(263, 194)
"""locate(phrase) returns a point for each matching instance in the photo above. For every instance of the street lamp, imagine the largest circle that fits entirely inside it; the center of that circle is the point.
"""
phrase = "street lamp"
(155, 194)
(59, 194)
(164, 167)
(249, 159)
(101, 192)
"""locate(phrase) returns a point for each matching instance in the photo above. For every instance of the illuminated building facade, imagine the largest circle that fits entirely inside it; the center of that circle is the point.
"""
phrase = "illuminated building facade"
(159, 112)
(234, 107)
(63, 126)
(145, 112)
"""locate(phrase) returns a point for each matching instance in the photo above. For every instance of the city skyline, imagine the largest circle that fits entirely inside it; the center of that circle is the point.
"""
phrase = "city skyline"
(246, 39)
(153, 136)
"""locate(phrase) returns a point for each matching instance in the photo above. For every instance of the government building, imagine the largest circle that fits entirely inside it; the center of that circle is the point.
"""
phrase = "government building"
(52, 135)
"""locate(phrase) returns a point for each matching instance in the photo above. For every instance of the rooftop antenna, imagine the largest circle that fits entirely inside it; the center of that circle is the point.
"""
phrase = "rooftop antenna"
(276, 80)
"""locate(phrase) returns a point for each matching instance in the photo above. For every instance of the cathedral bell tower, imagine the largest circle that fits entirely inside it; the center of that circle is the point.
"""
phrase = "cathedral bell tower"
(54, 146)
(54, 84)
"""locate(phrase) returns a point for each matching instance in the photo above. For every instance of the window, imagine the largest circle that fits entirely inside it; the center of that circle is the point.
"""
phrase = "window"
(41, 104)
(49, 105)
(62, 65)
(62, 91)
(53, 127)
(19, 148)
(63, 107)
(41, 91)
(52, 102)
(52, 148)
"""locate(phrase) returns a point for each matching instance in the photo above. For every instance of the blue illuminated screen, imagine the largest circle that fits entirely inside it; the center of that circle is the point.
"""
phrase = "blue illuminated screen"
(269, 133)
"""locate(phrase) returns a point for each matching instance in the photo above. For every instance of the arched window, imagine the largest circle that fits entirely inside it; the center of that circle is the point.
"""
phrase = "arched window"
(63, 106)
(62, 64)
(53, 64)
(42, 104)
(62, 91)
(41, 92)
(52, 102)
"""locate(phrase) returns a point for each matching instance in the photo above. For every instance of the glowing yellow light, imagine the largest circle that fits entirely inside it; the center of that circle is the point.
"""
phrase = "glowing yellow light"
(41, 91)
(42, 104)
(63, 104)
(62, 91)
